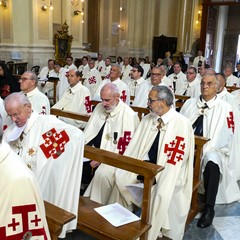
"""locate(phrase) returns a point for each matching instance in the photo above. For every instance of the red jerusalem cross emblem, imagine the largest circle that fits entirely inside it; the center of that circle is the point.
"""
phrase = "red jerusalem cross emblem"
(175, 150)
(124, 96)
(88, 104)
(123, 142)
(24, 222)
(54, 143)
(92, 80)
(230, 121)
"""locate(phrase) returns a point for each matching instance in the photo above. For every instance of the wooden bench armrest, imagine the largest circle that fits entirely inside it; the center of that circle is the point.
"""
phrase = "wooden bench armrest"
(69, 114)
(56, 219)
(126, 163)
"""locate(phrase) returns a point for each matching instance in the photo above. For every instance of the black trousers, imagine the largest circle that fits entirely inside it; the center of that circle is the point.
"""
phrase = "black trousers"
(211, 177)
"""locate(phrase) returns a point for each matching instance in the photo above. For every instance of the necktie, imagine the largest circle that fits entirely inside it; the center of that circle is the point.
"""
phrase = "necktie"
(186, 91)
(154, 148)
(135, 86)
(198, 124)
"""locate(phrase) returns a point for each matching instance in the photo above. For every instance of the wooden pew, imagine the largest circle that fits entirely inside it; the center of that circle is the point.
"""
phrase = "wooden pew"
(180, 100)
(69, 114)
(232, 88)
(92, 223)
(56, 219)
(93, 154)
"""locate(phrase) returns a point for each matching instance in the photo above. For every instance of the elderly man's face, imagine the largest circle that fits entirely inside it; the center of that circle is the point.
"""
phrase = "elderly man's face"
(155, 105)
(19, 113)
(156, 76)
(114, 73)
(208, 86)
(73, 79)
(109, 99)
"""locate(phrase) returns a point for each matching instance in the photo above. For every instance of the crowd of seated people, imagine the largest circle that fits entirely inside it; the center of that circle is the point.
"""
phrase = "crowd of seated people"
(211, 112)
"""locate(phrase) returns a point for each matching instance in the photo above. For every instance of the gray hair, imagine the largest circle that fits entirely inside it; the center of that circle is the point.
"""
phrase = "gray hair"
(113, 87)
(164, 69)
(33, 76)
(164, 93)
(16, 97)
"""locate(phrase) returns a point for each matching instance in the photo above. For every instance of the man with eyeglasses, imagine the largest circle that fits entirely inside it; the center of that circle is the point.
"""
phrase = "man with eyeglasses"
(28, 85)
(160, 135)
(156, 77)
(138, 87)
(213, 118)
(52, 149)
(192, 89)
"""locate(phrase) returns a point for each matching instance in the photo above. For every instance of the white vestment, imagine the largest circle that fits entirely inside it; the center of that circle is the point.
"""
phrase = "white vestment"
(171, 195)
(71, 67)
(236, 94)
(196, 61)
(139, 89)
(181, 82)
(39, 101)
(122, 87)
(43, 86)
(83, 69)
(118, 130)
(228, 97)
(92, 81)
(76, 99)
(100, 66)
(54, 151)
(126, 70)
(193, 89)
(232, 81)
(106, 72)
(167, 81)
(63, 82)
(21, 201)
(218, 125)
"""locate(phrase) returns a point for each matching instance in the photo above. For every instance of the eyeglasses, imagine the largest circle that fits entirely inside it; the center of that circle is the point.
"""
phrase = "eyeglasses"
(24, 79)
(209, 84)
(16, 115)
(156, 74)
(190, 73)
(153, 100)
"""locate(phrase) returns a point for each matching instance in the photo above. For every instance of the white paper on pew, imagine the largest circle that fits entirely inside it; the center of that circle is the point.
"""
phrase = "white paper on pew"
(137, 191)
(86, 159)
(116, 214)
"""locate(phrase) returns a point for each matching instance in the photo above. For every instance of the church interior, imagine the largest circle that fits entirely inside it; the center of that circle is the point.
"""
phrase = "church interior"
(33, 31)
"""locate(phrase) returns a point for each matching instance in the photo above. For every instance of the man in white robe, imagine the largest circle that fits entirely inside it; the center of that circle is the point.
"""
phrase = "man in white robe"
(84, 68)
(100, 63)
(76, 98)
(217, 167)
(21, 201)
(63, 81)
(52, 149)
(138, 87)
(178, 78)
(126, 69)
(199, 60)
(93, 78)
(192, 89)
(106, 71)
(38, 100)
(69, 64)
(43, 85)
(164, 137)
(231, 80)
(114, 78)
(111, 128)
(223, 94)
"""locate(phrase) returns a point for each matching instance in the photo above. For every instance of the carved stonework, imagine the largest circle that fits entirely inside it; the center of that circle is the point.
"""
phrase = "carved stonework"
(62, 42)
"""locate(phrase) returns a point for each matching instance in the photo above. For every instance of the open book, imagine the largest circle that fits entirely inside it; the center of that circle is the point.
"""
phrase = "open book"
(116, 214)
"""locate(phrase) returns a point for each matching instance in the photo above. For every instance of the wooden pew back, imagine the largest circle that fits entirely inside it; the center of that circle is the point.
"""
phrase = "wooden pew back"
(92, 223)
